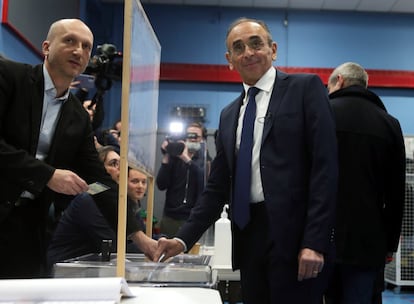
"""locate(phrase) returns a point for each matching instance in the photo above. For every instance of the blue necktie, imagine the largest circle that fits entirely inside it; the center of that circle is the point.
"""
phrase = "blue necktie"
(241, 196)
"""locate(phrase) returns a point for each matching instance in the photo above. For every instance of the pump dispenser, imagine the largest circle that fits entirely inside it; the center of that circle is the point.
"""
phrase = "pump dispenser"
(222, 240)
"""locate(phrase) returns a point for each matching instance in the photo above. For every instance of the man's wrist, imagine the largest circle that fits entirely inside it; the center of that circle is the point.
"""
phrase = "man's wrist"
(165, 159)
(182, 243)
(186, 159)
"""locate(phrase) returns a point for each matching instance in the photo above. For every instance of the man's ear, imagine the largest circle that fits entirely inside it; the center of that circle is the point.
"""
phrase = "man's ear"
(45, 48)
(341, 82)
(228, 57)
(274, 51)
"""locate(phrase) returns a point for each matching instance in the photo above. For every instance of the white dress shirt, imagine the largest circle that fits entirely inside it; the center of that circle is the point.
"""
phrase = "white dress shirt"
(50, 115)
(265, 84)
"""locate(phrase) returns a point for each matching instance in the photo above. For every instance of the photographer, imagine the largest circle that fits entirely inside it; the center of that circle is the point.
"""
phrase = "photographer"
(182, 173)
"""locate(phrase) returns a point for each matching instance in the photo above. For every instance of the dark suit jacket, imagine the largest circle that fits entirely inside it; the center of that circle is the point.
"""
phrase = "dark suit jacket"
(72, 147)
(371, 178)
(298, 162)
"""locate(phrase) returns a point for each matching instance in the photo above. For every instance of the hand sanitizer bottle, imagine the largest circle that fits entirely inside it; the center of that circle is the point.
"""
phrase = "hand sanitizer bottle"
(222, 240)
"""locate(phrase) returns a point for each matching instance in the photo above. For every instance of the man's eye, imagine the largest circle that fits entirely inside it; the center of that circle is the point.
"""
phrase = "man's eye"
(238, 47)
(257, 44)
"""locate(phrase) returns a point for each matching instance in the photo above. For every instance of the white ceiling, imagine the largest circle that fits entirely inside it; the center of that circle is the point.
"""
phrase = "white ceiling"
(386, 6)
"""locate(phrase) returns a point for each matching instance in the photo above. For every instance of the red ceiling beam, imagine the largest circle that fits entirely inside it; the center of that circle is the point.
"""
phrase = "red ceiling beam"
(221, 73)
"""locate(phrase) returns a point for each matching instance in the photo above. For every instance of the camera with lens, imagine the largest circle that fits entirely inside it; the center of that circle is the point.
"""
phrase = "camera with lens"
(176, 143)
(105, 66)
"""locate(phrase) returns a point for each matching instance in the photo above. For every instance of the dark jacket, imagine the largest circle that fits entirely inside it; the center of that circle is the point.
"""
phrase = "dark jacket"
(184, 184)
(298, 169)
(371, 158)
(72, 147)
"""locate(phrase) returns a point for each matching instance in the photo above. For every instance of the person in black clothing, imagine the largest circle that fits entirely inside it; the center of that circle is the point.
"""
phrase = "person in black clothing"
(370, 202)
(183, 176)
(83, 228)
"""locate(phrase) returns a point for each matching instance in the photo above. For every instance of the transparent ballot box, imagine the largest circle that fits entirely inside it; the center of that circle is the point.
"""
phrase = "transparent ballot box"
(181, 270)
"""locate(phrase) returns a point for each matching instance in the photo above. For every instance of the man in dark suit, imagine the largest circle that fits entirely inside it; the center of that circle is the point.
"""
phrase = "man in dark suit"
(283, 251)
(46, 145)
(371, 187)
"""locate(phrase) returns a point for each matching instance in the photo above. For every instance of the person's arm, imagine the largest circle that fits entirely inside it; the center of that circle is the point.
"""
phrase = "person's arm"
(321, 143)
(167, 248)
(73, 146)
(18, 165)
(210, 203)
(67, 182)
(395, 191)
(147, 245)
(22, 169)
(164, 173)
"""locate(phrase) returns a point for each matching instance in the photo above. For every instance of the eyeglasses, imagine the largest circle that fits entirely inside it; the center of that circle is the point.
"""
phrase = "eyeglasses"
(192, 135)
(113, 163)
(254, 43)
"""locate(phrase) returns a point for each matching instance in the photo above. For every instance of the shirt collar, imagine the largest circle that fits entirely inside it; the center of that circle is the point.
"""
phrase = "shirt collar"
(265, 83)
(50, 89)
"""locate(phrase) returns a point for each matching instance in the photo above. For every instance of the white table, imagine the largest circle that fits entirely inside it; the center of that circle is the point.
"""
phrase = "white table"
(176, 295)
(226, 273)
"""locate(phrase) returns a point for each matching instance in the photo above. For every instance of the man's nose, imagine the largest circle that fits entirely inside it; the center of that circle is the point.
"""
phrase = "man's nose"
(248, 49)
(78, 48)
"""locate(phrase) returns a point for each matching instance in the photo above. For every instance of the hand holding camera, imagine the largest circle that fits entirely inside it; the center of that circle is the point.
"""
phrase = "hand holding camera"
(176, 149)
(173, 147)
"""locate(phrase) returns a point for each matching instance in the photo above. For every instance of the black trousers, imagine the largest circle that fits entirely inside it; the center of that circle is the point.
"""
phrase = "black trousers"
(265, 278)
(22, 241)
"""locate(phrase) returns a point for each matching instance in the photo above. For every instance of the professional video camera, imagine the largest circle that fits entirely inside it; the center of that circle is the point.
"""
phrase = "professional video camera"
(105, 66)
(101, 70)
(176, 143)
(176, 139)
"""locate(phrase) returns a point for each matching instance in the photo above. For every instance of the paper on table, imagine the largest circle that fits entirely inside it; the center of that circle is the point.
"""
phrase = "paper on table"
(66, 289)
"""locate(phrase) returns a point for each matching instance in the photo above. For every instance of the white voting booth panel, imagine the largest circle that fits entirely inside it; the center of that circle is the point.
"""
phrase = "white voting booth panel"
(139, 109)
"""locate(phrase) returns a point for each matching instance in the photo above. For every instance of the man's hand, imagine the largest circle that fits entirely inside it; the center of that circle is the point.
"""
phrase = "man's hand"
(97, 144)
(74, 85)
(67, 182)
(310, 264)
(167, 248)
(165, 155)
(147, 245)
(185, 155)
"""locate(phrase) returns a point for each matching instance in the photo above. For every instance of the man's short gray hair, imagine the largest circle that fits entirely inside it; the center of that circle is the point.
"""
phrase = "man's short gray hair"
(352, 73)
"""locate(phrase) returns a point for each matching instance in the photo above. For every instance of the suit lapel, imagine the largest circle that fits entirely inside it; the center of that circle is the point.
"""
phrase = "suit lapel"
(279, 90)
(229, 133)
(36, 104)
